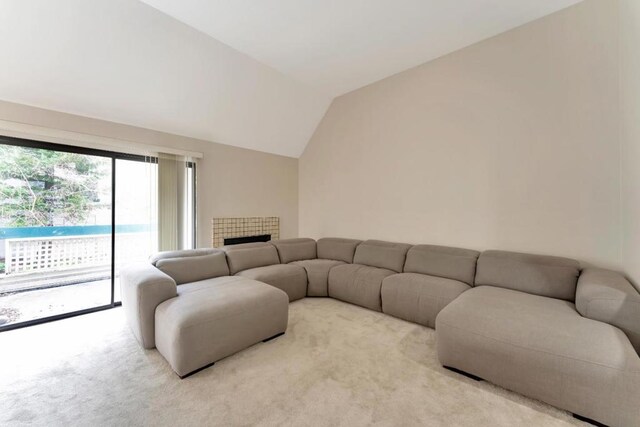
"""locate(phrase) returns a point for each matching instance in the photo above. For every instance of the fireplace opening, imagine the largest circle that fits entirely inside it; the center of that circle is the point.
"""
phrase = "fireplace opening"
(247, 239)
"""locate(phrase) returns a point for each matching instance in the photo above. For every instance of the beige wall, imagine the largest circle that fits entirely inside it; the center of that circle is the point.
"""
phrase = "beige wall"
(510, 143)
(630, 135)
(230, 182)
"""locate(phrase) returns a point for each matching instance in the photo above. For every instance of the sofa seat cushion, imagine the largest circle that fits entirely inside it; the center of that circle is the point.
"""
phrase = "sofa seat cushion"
(542, 347)
(204, 284)
(418, 298)
(211, 322)
(358, 284)
(317, 275)
(289, 277)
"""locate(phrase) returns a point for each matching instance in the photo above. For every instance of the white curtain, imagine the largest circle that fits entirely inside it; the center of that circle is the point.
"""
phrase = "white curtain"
(175, 202)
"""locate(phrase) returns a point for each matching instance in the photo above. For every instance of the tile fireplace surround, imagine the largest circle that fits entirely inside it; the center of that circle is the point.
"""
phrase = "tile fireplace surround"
(226, 227)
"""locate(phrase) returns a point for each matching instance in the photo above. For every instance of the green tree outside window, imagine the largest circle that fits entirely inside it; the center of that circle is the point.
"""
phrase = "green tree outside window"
(43, 188)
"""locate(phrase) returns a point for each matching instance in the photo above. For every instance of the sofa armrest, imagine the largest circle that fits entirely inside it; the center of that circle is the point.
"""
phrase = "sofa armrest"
(607, 296)
(143, 288)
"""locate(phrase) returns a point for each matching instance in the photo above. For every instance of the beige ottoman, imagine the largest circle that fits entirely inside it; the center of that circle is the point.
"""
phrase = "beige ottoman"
(214, 318)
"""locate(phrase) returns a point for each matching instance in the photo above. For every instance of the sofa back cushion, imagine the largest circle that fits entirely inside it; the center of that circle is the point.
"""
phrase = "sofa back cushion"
(547, 276)
(153, 259)
(337, 249)
(250, 255)
(442, 261)
(192, 266)
(291, 250)
(377, 253)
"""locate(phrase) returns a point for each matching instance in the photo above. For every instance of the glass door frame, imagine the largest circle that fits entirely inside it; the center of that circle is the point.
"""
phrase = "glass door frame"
(113, 155)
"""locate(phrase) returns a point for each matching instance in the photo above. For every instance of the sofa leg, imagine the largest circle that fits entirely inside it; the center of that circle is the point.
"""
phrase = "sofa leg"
(588, 420)
(273, 337)
(196, 371)
(466, 374)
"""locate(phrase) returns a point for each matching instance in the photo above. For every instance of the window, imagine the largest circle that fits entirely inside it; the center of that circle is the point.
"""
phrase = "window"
(71, 218)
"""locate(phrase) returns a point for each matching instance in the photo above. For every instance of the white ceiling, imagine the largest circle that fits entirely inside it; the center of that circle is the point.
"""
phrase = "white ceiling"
(251, 73)
(123, 61)
(341, 45)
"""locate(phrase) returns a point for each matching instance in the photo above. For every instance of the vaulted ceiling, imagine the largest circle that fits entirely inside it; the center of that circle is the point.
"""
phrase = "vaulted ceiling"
(251, 73)
(341, 45)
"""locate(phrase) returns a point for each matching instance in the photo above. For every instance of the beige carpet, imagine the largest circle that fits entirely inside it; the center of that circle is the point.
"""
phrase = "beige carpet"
(338, 364)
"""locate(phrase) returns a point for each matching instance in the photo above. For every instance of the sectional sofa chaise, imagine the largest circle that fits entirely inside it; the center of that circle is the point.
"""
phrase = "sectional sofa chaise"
(538, 325)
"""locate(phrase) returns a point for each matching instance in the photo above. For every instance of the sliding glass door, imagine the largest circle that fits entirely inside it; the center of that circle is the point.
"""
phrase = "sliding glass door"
(136, 213)
(70, 219)
(55, 231)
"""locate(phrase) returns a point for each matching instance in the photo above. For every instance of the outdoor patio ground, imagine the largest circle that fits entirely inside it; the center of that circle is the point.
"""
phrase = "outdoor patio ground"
(42, 302)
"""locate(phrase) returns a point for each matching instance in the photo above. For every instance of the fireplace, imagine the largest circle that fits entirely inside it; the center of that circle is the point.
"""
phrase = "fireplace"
(247, 239)
(228, 231)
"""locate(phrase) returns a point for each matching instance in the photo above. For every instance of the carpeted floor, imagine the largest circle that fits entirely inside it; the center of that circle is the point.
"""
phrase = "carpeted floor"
(338, 364)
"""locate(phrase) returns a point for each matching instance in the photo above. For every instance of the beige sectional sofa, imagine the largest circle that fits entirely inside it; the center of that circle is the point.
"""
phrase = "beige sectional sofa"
(317, 258)
(537, 325)
(260, 261)
(187, 305)
(519, 328)
(360, 283)
(432, 277)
